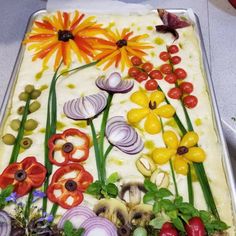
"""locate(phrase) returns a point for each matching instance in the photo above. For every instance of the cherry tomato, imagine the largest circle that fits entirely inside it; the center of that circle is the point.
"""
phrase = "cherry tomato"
(151, 84)
(190, 101)
(147, 66)
(167, 229)
(166, 69)
(133, 72)
(136, 61)
(175, 93)
(164, 56)
(181, 73)
(173, 49)
(195, 227)
(186, 87)
(171, 78)
(156, 74)
(176, 60)
(141, 77)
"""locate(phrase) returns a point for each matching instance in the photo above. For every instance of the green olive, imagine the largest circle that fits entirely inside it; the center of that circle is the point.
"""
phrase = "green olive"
(140, 231)
(34, 106)
(23, 96)
(26, 143)
(21, 110)
(15, 124)
(31, 124)
(29, 88)
(9, 139)
(35, 94)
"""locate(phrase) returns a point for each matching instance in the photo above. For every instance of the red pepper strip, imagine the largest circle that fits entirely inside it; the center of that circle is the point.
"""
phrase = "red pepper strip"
(40, 37)
(69, 187)
(66, 20)
(23, 175)
(69, 156)
(44, 25)
(76, 22)
(128, 35)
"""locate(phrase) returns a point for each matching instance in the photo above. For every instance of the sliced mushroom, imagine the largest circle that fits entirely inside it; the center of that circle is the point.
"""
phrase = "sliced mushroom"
(131, 190)
(112, 209)
(160, 178)
(141, 215)
(145, 165)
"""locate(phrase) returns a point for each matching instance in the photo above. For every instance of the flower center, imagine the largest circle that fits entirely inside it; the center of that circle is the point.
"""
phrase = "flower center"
(20, 175)
(152, 105)
(71, 185)
(65, 35)
(121, 43)
(182, 150)
(67, 147)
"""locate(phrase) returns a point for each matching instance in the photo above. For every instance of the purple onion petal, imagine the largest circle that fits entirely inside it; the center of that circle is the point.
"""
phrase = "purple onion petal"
(5, 226)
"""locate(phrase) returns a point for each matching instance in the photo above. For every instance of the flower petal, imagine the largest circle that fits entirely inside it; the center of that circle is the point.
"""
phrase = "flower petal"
(190, 139)
(180, 165)
(140, 98)
(162, 155)
(157, 97)
(152, 124)
(165, 111)
(195, 154)
(170, 139)
(136, 115)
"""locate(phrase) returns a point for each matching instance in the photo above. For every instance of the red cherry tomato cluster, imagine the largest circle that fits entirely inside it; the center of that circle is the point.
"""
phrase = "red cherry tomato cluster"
(173, 76)
(145, 72)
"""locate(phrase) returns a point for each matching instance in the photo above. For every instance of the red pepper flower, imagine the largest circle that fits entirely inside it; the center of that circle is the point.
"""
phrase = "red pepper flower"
(72, 145)
(23, 175)
(68, 184)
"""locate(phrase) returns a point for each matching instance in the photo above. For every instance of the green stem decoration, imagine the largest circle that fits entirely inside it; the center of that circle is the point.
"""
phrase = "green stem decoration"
(20, 135)
(28, 204)
(190, 186)
(107, 152)
(54, 210)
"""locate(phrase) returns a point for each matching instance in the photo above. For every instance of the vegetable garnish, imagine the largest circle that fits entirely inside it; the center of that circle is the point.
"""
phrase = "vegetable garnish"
(171, 22)
(99, 226)
(23, 175)
(120, 48)
(69, 230)
(66, 191)
(72, 146)
(85, 107)
(5, 226)
(76, 216)
(150, 110)
(62, 34)
(123, 136)
(114, 84)
(7, 195)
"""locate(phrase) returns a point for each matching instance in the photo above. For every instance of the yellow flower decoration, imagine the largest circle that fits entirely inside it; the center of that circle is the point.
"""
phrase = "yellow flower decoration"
(119, 48)
(151, 110)
(182, 152)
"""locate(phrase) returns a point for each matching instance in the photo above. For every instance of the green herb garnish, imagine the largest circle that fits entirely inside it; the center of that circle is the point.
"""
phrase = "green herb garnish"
(6, 192)
(70, 231)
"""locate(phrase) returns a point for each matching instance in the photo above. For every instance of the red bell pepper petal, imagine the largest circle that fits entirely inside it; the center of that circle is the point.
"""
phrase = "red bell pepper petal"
(27, 162)
(84, 179)
(22, 188)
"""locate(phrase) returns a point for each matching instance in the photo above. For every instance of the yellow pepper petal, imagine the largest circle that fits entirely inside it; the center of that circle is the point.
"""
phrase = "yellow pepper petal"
(165, 111)
(190, 139)
(170, 139)
(136, 115)
(180, 165)
(152, 124)
(157, 97)
(140, 98)
(195, 154)
(162, 155)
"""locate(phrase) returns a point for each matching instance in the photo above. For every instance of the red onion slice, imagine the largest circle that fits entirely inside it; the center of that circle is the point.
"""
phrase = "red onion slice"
(5, 224)
(76, 216)
(123, 136)
(114, 84)
(85, 107)
(99, 226)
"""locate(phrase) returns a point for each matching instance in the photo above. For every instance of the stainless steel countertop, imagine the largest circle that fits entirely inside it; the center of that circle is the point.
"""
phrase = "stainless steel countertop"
(218, 22)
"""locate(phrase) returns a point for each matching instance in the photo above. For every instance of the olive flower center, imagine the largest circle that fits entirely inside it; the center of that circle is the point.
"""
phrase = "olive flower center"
(71, 185)
(65, 35)
(121, 43)
(152, 105)
(182, 150)
(20, 175)
(67, 147)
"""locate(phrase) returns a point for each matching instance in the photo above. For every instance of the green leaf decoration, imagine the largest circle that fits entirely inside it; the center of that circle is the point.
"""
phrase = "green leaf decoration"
(149, 186)
(113, 178)
(6, 192)
(70, 231)
(177, 222)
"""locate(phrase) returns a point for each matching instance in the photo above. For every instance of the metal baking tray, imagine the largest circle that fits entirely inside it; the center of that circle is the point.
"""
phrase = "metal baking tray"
(6, 106)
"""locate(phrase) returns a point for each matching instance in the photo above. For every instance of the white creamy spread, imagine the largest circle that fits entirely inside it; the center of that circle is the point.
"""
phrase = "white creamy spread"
(84, 83)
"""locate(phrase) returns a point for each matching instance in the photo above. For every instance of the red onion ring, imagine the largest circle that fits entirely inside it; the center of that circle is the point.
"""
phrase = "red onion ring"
(99, 226)
(85, 107)
(79, 213)
(5, 224)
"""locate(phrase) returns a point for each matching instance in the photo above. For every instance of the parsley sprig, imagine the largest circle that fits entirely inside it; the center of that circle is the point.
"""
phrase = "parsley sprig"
(70, 231)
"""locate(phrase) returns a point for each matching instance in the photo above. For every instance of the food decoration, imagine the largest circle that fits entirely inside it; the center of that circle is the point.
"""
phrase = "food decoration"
(151, 110)
(69, 147)
(69, 187)
(116, 133)
(23, 175)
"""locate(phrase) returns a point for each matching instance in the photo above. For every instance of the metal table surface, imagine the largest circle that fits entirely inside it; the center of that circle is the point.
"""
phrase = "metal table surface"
(217, 18)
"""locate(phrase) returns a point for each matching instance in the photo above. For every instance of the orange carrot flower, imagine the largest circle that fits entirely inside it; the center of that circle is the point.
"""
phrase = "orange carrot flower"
(62, 34)
(119, 48)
